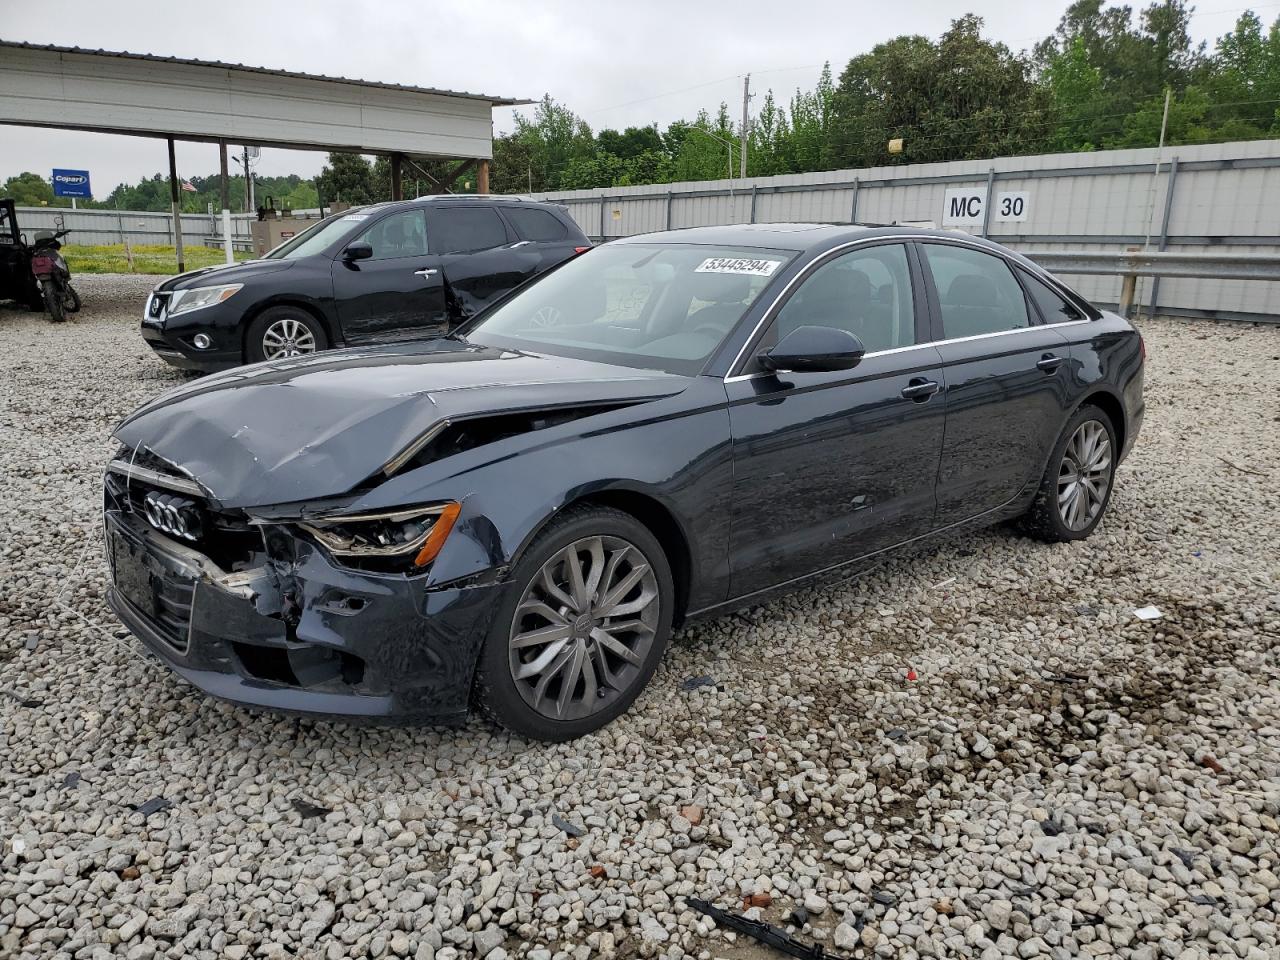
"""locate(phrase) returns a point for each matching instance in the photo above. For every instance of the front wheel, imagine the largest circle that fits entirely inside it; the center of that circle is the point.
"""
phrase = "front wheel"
(1076, 487)
(53, 301)
(582, 628)
(281, 332)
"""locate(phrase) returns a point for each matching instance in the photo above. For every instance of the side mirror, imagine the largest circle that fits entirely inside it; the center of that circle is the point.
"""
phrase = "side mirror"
(357, 251)
(814, 350)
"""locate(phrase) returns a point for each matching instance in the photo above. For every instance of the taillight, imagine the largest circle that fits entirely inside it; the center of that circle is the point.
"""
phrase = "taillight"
(581, 249)
(1142, 348)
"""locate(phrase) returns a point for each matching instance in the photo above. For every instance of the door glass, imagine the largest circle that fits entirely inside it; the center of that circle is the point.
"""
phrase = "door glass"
(534, 224)
(466, 229)
(399, 235)
(978, 292)
(867, 292)
(1052, 306)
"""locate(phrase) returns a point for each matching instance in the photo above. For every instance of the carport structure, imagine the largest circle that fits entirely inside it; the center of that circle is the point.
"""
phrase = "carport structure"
(173, 98)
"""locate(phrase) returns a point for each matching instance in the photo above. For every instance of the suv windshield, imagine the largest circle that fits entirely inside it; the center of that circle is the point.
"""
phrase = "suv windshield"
(316, 238)
(639, 305)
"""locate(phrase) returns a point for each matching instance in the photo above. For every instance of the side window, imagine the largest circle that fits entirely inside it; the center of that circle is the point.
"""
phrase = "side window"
(977, 291)
(466, 229)
(534, 224)
(867, 292)
(1052, 305)
(399, 235)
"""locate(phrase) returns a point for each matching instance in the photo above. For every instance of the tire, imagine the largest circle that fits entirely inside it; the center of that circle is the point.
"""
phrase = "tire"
(72, 300)
(280, 332)
(53, 301)
(1064, 508)
(572, 649)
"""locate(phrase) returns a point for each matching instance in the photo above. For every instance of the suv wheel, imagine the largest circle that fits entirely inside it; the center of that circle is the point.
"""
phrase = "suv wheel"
(281, 332)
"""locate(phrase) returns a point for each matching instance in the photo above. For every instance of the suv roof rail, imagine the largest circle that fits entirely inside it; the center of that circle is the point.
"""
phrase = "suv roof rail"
(478, 196)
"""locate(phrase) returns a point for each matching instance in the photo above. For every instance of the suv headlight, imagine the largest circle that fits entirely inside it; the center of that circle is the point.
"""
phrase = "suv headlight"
(184, 301)
(412, 536)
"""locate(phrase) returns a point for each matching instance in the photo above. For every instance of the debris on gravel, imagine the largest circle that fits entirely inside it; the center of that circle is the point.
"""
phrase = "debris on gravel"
(1061, 779)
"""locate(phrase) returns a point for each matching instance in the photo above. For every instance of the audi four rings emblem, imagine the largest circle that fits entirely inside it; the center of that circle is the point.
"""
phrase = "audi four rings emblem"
(172, 515)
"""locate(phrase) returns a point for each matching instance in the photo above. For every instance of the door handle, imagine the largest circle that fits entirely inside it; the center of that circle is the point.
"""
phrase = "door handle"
(919, 389)
(1049, 363)
(518, 244)
(426, 272)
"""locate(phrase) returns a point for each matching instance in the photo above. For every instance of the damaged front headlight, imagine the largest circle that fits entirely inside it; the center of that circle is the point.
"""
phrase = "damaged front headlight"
(413, 536)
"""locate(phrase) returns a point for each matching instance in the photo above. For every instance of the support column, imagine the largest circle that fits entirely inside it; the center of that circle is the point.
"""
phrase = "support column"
(397, 184)
(176, 204)
(228, 248)
(1164, 232)
(482, 177)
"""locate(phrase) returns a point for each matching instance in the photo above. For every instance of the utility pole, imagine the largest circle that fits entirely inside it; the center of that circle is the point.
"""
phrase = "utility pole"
(227, 248)
(746, 125)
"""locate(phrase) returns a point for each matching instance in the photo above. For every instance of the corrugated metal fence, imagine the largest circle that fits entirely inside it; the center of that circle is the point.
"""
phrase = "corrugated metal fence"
(113, 226)
(1222, 198)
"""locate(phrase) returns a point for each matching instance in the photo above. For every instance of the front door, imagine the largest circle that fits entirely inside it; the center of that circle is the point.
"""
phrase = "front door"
(829, 467)
(1007, 381)
(399, 292)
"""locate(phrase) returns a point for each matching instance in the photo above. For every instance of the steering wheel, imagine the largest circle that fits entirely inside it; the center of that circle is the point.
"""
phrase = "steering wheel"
(547, 317)
(709, 330)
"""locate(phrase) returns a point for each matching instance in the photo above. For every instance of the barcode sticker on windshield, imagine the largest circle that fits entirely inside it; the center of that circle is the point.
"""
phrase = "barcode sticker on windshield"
(755, 268)
(356, 216)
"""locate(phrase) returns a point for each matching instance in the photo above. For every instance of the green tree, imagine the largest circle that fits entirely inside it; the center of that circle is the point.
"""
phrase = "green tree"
(28, 190)
(347, 177)
(1075, 89)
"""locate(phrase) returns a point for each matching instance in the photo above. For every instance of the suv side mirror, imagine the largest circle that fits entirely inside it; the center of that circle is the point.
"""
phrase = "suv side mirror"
(357, 251)
(814, 350)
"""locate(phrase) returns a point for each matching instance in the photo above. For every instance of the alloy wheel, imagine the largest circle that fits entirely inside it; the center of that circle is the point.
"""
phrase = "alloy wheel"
(1084, 476)
(287, 337)
(584, 627)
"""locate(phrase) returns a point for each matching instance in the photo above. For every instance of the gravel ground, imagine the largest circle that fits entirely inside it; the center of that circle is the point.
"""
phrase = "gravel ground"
(1062, 779)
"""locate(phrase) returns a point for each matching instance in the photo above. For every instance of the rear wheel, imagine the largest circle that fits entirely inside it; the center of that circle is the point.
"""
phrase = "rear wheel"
(583, 626)
(71, 300)
(53, 301)
(1076, 487)
(281, 332)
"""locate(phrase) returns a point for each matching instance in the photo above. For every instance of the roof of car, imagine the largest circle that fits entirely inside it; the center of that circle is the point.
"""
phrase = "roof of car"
(780, 236)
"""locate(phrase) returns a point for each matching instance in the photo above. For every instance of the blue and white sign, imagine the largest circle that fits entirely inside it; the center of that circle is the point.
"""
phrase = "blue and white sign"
(71, 183)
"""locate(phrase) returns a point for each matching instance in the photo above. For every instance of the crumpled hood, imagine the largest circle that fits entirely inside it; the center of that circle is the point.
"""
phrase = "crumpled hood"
(317, 427)
(223, 273)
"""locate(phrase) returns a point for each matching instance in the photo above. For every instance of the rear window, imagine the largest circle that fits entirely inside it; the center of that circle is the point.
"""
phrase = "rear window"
(465, 229)
(534, 224)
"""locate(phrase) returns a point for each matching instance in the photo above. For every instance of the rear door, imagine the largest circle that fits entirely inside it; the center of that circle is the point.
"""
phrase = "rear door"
(546, 233)
(481, 258)
(829, 467)
(1007, 384)
(399, 292)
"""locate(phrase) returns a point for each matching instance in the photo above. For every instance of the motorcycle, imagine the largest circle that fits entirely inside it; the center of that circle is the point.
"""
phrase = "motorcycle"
(53, 275)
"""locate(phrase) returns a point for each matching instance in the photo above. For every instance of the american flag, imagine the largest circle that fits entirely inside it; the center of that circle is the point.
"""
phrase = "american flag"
(186, 185)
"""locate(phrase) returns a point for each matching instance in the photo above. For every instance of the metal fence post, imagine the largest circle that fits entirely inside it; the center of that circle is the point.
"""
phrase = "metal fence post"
(1164, 231)
(668, 210)
(853, 204)
(986, 207)
(602, 204)
(753, 204)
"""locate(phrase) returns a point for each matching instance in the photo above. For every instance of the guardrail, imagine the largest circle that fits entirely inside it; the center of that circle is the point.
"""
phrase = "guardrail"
(1132, 264)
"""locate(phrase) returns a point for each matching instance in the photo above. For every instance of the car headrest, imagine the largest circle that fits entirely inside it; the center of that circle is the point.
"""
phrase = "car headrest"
(719, 288)
(972, 290)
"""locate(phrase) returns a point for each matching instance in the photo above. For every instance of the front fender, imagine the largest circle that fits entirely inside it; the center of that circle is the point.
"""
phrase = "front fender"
(675, 451)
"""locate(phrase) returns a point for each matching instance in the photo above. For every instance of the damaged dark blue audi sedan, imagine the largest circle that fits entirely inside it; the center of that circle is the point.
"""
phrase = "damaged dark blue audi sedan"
(515, 517)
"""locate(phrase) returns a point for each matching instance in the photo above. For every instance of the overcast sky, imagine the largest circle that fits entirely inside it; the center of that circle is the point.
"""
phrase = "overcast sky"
(615, 64)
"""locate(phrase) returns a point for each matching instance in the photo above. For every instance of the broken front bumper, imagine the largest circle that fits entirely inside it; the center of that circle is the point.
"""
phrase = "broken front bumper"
(302, 635)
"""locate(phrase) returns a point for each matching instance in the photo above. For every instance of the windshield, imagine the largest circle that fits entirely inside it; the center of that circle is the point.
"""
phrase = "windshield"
(639, 305)
(317, 238)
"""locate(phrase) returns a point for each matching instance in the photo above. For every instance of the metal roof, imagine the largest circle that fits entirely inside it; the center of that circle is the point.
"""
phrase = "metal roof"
(125, 55)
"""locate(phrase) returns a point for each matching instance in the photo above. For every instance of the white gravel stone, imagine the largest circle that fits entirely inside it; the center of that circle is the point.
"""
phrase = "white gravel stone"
(1047, 775)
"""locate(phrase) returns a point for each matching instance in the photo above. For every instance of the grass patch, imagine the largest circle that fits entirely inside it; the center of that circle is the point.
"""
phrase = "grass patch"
(156, 258)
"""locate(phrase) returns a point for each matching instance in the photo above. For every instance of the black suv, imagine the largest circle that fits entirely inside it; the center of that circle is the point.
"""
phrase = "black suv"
(390, 271)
